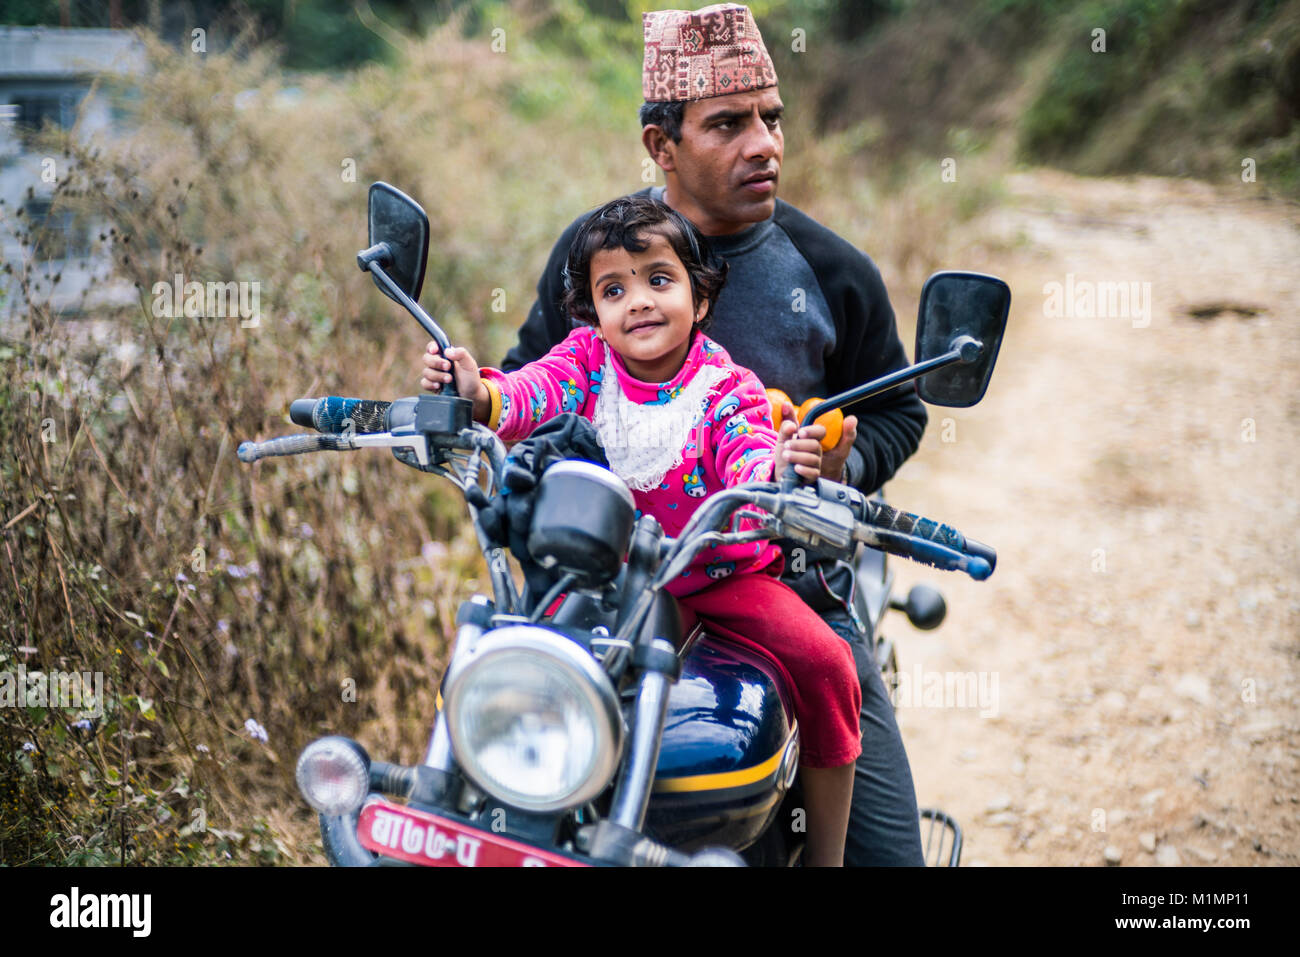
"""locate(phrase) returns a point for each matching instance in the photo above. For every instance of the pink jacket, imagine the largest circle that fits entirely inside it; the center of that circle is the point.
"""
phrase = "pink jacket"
(675, 442)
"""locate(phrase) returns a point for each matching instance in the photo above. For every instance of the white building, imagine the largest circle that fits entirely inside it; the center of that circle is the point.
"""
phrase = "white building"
(45, 77)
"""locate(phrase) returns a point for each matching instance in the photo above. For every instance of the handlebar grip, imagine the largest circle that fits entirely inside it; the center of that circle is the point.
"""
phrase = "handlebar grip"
(287, 445)
(884, 516)
(951, 549)
(334, 412)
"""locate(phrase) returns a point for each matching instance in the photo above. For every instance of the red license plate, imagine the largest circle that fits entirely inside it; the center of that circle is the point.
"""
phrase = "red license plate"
(423, 838)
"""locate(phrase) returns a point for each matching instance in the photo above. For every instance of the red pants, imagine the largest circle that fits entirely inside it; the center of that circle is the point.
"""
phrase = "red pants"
(757, 609)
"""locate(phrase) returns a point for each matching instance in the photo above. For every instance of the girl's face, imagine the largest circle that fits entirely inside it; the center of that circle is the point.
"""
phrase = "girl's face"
(645, 307)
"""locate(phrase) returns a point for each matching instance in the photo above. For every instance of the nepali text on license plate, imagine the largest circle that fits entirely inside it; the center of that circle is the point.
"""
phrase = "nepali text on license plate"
(423, 838)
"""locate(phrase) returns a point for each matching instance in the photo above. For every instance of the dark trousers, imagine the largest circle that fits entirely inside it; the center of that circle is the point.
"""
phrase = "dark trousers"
(884, 829)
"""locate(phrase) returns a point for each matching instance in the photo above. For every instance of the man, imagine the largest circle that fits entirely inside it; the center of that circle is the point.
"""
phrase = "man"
(802, 308)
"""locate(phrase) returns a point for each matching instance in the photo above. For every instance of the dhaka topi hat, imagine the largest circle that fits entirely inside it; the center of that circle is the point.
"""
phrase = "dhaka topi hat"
(692, 55)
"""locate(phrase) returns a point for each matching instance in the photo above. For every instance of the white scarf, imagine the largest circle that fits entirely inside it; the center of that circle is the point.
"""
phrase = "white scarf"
(645, 442)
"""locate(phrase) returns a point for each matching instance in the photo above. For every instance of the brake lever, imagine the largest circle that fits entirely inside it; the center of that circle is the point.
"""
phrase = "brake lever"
(291, 445)
(924, 551)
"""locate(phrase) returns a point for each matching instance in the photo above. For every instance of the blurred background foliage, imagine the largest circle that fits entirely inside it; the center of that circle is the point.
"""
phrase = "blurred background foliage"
(315, 595)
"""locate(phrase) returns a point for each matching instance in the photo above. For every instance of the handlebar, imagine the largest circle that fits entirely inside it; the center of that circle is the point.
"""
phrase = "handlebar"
(418, 429)
(335, 417)
(822, 514)
(829, 514)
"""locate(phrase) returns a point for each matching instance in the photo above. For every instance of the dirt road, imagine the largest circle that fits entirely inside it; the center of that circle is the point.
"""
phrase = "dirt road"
(1140, 641)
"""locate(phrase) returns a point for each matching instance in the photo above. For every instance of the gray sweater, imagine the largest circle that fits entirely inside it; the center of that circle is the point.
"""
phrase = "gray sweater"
(805, 310)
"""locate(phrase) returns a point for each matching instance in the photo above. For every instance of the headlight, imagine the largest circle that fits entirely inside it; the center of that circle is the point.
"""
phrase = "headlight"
(534, 720)
(334, 775)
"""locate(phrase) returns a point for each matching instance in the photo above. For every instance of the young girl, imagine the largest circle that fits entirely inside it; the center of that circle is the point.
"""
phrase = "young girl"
(680, 420)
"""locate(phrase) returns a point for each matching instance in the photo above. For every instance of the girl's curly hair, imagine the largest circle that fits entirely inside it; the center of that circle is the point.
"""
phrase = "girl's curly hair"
(624, 222)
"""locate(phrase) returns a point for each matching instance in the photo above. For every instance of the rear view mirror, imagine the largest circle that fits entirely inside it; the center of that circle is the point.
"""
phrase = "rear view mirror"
(397, 221)
(956, 305)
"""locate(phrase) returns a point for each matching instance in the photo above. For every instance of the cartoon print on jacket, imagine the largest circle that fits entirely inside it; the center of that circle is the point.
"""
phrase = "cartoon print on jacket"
(538, 404)
(749, 455)
(738, 426)
(572, 395)
(719, 569)
(726, 408)
(665, 395)
(694, 483)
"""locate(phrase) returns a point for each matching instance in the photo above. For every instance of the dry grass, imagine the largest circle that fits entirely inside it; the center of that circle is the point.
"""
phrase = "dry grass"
(209, 593)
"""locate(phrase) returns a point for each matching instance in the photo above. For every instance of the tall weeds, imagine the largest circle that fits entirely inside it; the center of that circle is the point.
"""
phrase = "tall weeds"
(224, 604)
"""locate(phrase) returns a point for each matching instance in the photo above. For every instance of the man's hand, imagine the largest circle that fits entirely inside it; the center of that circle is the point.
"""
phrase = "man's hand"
(438, 370)
(804, 452)
(833, 459)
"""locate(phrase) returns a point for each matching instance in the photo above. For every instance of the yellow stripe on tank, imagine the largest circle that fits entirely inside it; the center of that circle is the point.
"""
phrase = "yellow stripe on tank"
(725, 779)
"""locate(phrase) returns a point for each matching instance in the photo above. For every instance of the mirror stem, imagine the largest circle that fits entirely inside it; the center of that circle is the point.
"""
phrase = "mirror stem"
(963, 349)
(371, 264)
(411, 306)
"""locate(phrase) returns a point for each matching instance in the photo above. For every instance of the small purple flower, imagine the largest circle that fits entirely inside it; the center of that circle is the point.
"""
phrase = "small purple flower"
(180, 577)
(28, 746)
(83, 724)
(238, 571)
(223, 626)
(255, 730)
(305, 530)
(203, 748)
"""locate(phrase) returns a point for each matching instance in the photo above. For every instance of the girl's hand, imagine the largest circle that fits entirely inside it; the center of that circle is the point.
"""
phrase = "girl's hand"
(803, 451)
(438, 369)
(832, 459)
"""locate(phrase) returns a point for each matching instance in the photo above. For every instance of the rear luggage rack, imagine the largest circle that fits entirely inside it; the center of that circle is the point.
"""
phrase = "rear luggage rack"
(939, 831)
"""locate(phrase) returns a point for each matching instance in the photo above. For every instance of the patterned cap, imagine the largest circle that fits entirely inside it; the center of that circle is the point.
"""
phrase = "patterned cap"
(692, 55)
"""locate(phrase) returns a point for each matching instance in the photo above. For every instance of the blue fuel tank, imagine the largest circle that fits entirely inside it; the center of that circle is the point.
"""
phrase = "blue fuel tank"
(730, 749)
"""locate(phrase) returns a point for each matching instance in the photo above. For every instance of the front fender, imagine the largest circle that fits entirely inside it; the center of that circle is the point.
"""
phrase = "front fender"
(342, 846)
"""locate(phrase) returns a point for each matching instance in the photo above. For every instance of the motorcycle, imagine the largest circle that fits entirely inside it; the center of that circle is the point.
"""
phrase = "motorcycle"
(577, 723)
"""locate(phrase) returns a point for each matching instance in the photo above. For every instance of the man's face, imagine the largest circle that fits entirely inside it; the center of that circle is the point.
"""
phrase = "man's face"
(723, 174)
